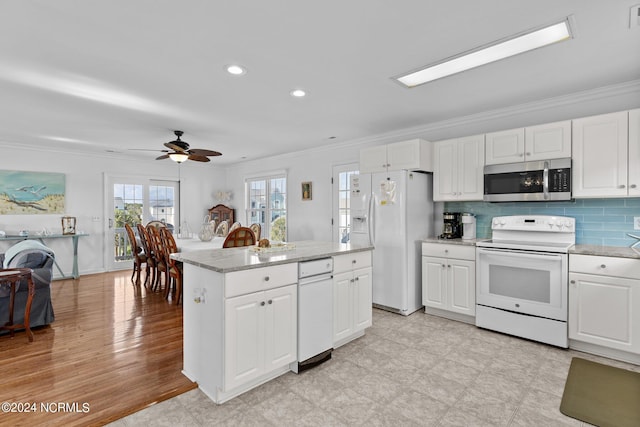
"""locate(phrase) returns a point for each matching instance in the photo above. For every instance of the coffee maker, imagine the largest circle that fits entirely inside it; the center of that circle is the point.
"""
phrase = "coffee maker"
(451, 228)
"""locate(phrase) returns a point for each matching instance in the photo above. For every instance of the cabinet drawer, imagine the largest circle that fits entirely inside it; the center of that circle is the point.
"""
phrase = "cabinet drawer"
(351, 261)
(605, 266)
(260, 279)
(443, 250)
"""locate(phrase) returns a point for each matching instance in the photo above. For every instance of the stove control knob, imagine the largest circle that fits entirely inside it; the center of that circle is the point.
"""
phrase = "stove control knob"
(503, 222)
(496, 222)
(551, 223)
(567, 224)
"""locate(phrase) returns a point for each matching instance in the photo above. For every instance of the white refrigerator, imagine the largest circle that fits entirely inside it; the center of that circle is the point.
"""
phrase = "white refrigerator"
(393, 211)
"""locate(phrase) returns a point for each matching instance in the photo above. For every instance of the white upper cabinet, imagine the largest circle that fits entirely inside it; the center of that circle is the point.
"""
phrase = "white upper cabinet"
(458, 169)
(506, 146)
(634, 153)
(601, 156)
(542, 142)
(415, 154)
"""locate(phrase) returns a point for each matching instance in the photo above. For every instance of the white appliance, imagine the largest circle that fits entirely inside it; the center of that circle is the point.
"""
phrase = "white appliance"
(522, 277)
(393, 211)
(315, 313)
(468, 221)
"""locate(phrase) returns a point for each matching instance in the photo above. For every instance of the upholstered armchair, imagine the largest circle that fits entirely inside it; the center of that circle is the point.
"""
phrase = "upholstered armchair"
(41, 262)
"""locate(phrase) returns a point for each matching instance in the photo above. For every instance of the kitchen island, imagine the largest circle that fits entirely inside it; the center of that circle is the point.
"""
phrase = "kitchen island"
(241, 310)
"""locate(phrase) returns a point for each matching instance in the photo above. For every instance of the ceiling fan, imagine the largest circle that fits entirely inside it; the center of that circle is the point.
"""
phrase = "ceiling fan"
(182, 152)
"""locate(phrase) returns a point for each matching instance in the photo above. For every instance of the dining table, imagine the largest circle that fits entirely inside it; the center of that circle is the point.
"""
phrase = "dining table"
(195, 244)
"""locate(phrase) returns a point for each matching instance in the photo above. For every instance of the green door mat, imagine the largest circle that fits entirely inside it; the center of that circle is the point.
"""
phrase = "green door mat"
(601, 395)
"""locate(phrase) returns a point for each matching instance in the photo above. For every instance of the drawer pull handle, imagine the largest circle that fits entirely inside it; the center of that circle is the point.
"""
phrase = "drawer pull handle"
(632, 186)
(621, 186)
(443, 266)
(573, 282)
(603, 266)
(262, 303)
(270, 301)
(518, 305)
(353, 262)
(266, 279)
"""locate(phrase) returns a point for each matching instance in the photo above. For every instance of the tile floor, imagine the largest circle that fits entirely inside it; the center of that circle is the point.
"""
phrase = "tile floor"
(415, 370)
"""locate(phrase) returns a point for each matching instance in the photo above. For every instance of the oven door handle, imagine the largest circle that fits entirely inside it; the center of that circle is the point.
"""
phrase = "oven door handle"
(545, 181)
(519, 254)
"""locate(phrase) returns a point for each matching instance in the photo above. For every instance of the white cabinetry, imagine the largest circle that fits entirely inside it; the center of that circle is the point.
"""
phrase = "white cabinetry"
(415, 154)
(605, 158)
(604, 305)
(240, 328)
(542, 142)
(449, 280)
(352, 299)
(458, 169)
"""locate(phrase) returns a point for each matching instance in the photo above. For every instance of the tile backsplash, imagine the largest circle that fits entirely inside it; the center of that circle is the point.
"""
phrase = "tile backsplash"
(598, 221)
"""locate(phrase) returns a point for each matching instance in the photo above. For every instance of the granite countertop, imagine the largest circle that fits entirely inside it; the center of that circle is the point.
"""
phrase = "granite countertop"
(244, 258)
(469, 242)
(612, 251)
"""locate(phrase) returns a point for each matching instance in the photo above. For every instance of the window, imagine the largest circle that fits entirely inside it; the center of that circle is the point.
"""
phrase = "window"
(267, 205)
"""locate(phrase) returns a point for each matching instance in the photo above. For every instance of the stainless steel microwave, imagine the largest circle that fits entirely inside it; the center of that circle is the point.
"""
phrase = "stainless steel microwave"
(548, 180)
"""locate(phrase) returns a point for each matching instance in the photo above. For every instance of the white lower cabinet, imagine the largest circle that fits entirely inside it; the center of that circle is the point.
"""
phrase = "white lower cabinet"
(352, 298)
(260, 334)
(449, 279)
(604, 303)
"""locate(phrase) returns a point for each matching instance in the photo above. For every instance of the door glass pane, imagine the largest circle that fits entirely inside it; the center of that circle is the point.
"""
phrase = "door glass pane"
(128, 202)
(267, 206)
(344, 205)
(527, 284)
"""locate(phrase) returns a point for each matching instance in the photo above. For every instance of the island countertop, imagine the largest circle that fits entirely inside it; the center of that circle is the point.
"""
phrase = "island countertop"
(244, 258)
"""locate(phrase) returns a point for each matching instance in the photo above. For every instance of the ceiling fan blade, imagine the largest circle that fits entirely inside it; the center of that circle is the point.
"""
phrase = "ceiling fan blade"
(147, 149)
(172, 145)
(198, 158)
(164, 156)
(203, 152)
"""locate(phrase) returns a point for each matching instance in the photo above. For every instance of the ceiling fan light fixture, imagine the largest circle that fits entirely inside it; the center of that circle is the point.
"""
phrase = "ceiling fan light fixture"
(496, 51)
(298, 93)
(178, 157)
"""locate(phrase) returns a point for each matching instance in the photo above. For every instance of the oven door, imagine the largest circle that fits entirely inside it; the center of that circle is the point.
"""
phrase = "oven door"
(532, 283)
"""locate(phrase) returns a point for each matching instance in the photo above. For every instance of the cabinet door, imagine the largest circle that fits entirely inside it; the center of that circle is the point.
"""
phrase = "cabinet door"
(504, 147)
(404, 155)
(373, 159)
(445, 174)
(362, 299)
(470, 168)
(600, 155)
(634, 153)
(281, 320)
(461, 284)
(434, 282)
(603, 310)
(548, 141)
(342, 290)
(244, 339)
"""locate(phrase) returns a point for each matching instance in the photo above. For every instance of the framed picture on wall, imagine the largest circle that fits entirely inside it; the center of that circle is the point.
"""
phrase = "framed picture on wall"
(306, 190)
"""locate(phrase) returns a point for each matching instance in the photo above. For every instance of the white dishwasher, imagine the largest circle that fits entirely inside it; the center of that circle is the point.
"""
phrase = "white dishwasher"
(315, 313)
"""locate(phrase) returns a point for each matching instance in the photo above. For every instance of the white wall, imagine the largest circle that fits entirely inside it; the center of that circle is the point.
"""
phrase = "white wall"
(85, 198)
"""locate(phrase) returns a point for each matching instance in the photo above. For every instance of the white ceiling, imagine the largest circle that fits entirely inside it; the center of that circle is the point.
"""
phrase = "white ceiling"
(161, 62)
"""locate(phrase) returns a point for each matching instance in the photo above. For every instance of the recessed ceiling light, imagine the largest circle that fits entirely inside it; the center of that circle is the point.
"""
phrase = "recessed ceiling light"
(236, 70)
(501, 49)
(298, 93)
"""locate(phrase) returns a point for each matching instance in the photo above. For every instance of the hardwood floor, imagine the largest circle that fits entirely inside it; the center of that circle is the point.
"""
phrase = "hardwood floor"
(114, 349)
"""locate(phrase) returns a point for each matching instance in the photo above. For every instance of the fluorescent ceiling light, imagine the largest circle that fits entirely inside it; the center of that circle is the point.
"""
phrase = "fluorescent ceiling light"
(298, 93)
(485, 55)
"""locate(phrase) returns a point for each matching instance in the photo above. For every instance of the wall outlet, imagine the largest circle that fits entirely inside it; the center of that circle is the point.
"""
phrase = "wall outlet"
(95, 218)
(636, 222)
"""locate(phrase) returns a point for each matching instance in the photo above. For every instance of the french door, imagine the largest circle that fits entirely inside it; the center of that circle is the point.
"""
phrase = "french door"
(132, 200)
(341, 217)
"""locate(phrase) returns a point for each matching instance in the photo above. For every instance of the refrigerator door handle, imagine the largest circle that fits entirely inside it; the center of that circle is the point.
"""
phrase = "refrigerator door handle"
(372, 237)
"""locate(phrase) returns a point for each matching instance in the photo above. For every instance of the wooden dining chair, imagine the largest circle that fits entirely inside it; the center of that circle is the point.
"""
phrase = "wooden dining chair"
(139, 256)
(158, 250)
(234, 226)
(241, 236)
(173, 267)
(151, 260)
(156, 223)
(257, 229)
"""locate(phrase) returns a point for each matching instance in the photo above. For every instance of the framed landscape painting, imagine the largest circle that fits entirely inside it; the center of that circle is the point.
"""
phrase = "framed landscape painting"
(31, 192)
